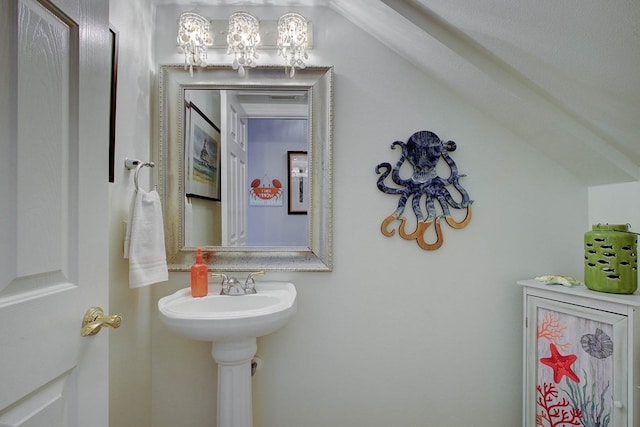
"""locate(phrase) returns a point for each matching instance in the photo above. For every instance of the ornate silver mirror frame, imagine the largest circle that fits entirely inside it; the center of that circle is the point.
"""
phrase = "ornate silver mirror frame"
(318, 81)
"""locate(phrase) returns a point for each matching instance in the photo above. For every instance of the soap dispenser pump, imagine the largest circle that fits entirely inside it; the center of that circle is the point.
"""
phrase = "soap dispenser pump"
(199, 279)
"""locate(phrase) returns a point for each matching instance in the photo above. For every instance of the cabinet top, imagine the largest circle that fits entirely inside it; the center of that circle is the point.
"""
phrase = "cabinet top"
(583, 291)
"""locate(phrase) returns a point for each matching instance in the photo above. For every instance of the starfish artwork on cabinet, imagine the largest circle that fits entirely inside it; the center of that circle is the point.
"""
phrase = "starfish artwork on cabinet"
(560, 364)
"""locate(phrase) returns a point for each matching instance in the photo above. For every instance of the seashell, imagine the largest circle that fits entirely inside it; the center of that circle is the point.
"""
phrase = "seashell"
(599, 345)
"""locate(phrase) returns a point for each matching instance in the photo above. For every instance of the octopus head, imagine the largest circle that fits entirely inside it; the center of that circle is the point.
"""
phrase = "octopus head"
(423, 150)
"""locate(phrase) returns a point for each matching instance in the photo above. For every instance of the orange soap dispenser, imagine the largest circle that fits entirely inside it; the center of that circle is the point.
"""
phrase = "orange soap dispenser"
(199, 280)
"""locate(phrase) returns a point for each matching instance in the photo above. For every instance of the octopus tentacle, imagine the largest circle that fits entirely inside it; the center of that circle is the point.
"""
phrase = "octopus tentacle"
(431, 208)
(385, 224)
(395, 176)
(465, 196)
(394, 144)
(421, 227)
(448, 200)
(463, 203)
(453, 176)
(381, 185)
(439, 239)
(417, 210)
(462, 223)
(385, 165)
(442, 200)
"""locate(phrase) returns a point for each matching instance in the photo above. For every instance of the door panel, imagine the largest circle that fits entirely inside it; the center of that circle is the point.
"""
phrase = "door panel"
(54, 256)
(234, 171)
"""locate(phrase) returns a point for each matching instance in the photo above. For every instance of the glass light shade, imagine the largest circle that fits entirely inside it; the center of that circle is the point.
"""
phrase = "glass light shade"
(242, 39)
(292, 41)
(193, 39)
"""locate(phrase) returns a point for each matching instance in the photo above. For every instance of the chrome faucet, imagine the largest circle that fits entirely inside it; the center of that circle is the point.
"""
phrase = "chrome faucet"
(250, 283)
(232, 286)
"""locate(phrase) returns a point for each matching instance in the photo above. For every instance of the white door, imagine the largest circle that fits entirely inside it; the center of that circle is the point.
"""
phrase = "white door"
(234, 172)
(54, 82)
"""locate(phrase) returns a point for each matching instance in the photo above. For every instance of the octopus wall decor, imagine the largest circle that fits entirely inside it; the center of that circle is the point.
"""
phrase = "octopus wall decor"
(428, 191)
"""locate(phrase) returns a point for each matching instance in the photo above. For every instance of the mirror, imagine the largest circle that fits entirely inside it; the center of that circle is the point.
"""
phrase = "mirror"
(300, 175)
(263, 132)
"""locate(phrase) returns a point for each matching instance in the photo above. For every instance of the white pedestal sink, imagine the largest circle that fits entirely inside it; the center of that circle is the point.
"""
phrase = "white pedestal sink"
(232, 324)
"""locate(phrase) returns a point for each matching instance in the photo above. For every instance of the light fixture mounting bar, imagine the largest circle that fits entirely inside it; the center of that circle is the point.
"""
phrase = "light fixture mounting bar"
(268, 34)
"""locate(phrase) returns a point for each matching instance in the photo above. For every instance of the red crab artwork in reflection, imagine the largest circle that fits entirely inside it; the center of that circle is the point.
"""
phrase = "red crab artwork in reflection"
(266, 193)
(423, 151)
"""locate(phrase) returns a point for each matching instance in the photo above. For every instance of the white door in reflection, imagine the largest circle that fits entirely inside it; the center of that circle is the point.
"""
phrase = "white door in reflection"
(234, 171)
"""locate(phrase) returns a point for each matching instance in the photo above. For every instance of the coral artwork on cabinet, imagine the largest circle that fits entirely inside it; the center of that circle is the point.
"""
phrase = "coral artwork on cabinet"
(555, 411)
(574, 370)
(551, 329)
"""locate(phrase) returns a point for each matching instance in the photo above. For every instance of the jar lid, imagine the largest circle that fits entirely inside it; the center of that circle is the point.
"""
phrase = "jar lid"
(611, 227)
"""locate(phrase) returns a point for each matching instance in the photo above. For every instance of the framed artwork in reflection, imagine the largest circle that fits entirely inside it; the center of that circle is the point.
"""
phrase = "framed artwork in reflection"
(298, 182)
(202, 155)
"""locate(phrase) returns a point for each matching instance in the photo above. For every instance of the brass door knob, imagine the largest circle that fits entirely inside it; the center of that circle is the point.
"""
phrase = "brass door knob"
(95, 319)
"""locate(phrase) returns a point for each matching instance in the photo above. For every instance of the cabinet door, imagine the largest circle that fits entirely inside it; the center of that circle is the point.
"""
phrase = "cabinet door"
(575, 372)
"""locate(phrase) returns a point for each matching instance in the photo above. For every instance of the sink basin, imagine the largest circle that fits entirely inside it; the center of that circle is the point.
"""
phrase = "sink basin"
(218, 317)
(231, 324)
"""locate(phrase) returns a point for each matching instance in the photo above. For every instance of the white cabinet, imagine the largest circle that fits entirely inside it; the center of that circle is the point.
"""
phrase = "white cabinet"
(581, 355)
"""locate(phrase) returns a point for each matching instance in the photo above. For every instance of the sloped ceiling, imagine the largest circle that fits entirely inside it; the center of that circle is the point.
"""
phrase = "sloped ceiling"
(562, 74)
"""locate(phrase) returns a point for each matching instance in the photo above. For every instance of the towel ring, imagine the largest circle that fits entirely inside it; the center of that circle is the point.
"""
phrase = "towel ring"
(137, 164)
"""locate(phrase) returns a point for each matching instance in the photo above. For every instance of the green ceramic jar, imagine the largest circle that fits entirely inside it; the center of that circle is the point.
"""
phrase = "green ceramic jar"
(610, 259)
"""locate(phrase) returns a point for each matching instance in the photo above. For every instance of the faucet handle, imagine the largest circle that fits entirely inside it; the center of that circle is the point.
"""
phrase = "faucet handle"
(250, 283)
(234, 287)
(225, 282)
(251, 275)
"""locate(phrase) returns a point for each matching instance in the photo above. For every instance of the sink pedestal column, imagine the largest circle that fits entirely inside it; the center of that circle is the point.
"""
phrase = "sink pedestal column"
(234, 381)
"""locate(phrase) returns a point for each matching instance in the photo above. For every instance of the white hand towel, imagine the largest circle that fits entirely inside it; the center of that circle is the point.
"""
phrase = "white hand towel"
(127, 235)
(146, 249)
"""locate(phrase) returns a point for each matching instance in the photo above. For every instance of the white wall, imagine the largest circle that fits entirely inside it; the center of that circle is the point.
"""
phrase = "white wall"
(615, 204)
(394, 335)
(130, 345)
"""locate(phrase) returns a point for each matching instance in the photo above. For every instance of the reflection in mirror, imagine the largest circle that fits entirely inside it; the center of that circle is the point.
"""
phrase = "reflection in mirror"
(262, 126)
(245, 168)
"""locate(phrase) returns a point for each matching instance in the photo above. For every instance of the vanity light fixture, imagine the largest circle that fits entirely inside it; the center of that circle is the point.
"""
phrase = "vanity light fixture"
(242, 39)
(193, 39)
(292, 41)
